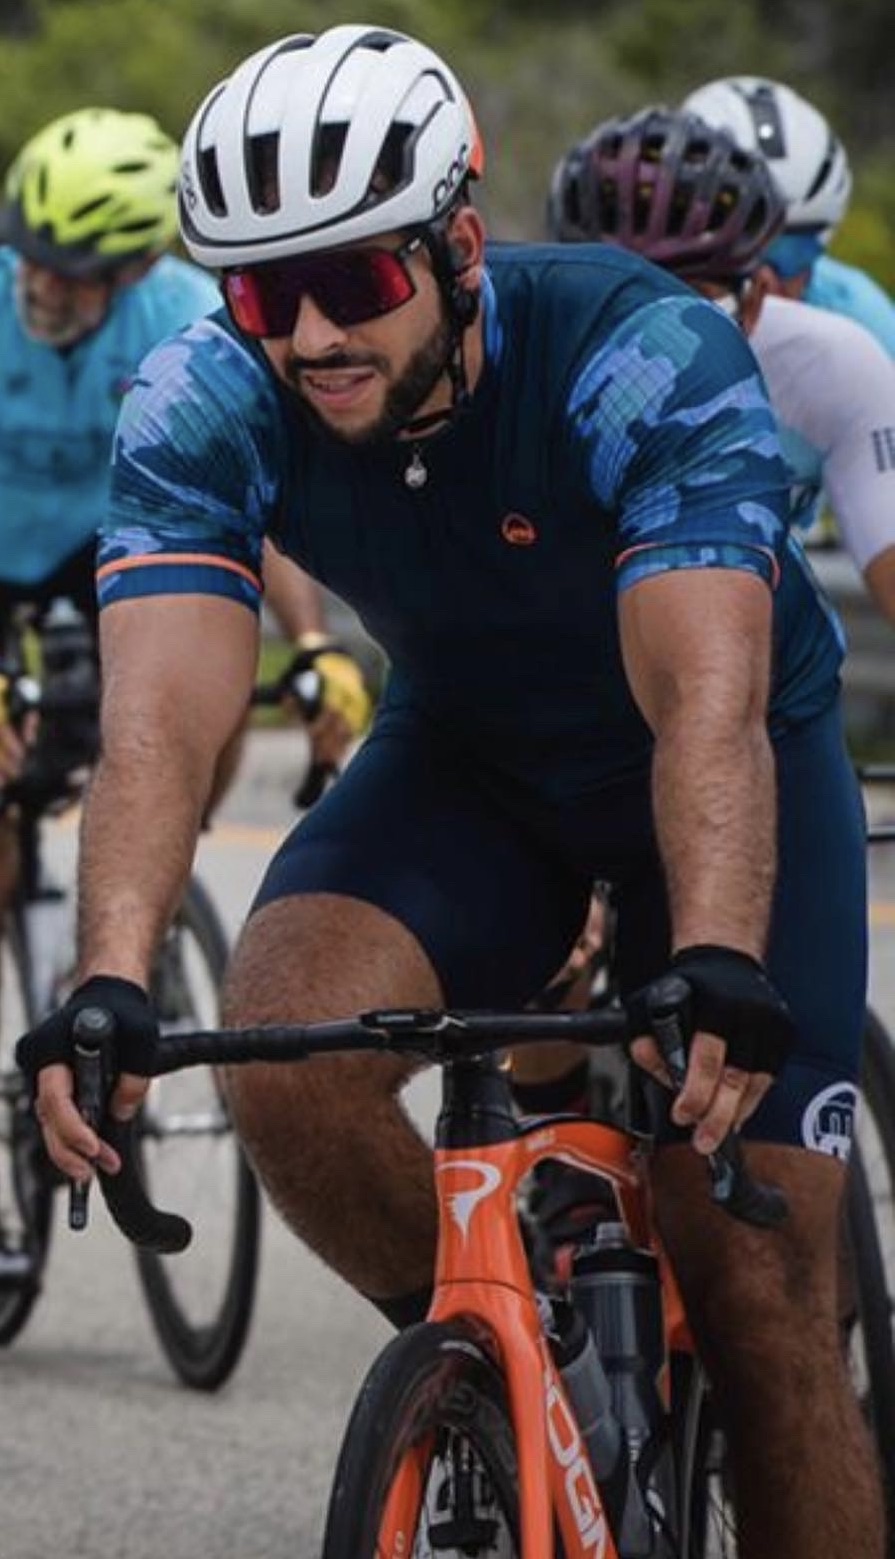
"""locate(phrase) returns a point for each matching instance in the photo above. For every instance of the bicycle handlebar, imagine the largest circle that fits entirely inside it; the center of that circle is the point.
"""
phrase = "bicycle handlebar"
(439, 1036)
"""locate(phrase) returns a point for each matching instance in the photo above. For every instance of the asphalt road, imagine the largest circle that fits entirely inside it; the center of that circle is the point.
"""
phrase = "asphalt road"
(103, 1456)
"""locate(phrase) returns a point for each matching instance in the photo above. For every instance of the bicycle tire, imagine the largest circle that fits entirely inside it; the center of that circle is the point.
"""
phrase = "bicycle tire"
(707, 1520)
(432, 1380)
(871, 1229)
(27, 1177)
(201, 1321)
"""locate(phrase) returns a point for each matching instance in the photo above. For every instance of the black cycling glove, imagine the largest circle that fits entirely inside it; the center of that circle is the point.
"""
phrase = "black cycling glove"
(731, 996)
(136, 1028)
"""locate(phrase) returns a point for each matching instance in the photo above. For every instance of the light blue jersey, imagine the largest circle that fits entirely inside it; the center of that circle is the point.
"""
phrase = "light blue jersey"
(58, 411)
(843, 289)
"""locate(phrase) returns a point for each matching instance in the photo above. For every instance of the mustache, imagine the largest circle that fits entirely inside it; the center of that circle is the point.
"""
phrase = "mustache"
(295, 366)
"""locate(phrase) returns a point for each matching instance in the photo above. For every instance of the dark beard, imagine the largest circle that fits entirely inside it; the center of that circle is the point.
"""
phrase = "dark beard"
(403, 398)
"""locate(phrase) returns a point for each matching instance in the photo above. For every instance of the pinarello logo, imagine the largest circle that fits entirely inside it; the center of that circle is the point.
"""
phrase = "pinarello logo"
(518, 531)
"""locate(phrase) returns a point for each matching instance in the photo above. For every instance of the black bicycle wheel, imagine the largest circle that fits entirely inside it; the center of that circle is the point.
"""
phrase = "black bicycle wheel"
(707, 1521)
(27, 1182)
(868, 1318)
(432, 1386)
(200, 1301)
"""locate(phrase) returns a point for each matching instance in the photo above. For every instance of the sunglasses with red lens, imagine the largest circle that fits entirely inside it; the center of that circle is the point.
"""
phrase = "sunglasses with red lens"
(349, 286)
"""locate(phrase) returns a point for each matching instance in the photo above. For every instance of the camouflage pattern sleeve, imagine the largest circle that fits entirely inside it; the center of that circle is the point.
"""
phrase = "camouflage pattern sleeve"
(194, 474)
(681, 444)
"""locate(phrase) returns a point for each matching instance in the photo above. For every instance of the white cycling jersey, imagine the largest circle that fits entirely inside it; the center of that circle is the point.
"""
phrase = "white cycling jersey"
(832, 387)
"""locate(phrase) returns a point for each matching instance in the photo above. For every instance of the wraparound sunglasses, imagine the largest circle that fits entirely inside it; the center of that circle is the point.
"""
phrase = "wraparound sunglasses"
(349, 286)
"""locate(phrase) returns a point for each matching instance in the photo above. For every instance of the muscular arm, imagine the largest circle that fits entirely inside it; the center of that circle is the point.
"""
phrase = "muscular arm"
(177, 676)
(696, 646)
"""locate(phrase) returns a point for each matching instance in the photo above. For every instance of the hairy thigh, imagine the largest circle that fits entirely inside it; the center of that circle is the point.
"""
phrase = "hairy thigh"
(308, 958)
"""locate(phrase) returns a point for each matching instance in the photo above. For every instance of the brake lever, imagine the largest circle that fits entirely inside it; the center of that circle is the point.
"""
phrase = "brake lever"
(733, 1186)
(94, 1032)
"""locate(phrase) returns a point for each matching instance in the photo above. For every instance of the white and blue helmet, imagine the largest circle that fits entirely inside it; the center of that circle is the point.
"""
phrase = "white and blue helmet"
(805, 156)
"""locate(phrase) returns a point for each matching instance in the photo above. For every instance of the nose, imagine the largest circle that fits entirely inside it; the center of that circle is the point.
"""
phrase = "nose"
(314, 334)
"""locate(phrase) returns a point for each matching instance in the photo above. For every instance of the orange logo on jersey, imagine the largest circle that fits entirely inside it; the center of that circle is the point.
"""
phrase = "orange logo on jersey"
(518, 531)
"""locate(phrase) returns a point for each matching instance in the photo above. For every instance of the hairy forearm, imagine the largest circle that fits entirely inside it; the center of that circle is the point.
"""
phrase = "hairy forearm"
(715, 808)
(138, 836)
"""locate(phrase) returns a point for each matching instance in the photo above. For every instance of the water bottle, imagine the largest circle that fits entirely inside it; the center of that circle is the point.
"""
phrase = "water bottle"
(590, 1393)
(66, 638)
(616, 1287)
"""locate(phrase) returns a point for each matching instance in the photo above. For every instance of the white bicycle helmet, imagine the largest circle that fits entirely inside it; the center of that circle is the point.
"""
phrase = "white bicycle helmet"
(319, 141)
(806, 158)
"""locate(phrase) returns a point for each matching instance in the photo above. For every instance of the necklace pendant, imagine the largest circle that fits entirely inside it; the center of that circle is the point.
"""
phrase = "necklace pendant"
(416, 475)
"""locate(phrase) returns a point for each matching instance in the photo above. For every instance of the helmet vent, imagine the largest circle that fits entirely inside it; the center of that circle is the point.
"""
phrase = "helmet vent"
(329, 143)
(262, 171)
(823, 172)
(89, 207)
(766, 120)
(210, 180)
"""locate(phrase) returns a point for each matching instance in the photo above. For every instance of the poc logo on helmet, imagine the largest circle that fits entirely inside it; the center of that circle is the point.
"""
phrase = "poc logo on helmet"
(188, 188)
(446, 186)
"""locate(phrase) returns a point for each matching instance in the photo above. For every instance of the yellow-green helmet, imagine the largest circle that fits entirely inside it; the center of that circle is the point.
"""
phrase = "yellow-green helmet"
(92, 191)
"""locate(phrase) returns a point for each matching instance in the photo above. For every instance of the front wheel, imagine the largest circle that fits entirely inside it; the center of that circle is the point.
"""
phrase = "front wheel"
(26, 1175)
(200, 1301)
(428, 1463)
(707, 1517)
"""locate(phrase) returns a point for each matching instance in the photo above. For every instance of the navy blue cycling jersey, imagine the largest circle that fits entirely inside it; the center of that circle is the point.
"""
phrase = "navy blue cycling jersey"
(620, 428)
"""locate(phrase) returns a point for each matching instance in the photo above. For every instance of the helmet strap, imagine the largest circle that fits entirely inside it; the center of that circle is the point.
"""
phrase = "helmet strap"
(462, 309)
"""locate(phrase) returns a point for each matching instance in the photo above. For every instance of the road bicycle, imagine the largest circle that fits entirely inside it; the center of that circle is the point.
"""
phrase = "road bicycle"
(505, 1425)
(201, 1307)
(872, 1206)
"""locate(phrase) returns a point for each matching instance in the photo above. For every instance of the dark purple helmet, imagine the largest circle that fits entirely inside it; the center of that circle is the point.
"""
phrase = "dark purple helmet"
(676, 190)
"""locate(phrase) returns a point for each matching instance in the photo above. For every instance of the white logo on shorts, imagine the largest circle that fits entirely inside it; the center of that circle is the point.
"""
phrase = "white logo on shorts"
(829, 1121)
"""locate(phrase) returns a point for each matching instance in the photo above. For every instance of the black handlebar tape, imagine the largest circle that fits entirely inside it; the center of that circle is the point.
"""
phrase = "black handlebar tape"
(128, 1204)
(733, 1187)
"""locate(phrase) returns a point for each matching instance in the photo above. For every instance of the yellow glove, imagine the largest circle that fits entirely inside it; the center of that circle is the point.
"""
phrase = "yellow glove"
(343, 687)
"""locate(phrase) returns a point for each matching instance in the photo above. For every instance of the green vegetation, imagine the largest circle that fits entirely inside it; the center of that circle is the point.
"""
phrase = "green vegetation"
(539, 78)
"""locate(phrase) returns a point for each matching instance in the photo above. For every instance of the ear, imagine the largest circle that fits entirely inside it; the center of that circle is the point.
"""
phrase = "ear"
(757, 289)
(466, 245)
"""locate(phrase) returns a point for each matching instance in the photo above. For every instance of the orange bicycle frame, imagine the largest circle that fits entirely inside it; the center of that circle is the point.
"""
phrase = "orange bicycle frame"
(483, 1277)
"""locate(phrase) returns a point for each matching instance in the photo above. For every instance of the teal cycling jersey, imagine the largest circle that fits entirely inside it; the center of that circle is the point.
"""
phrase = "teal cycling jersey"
(58, 410)
(619, 429)
(843, 289)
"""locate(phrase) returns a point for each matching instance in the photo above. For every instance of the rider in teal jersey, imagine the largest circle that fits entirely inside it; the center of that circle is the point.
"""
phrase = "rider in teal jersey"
(86, 289)
(810, 165)
(549, 479)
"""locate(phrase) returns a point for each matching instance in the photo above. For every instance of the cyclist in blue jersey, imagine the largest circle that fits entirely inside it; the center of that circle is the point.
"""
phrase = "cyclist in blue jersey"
(549, 479)
(86, 289)
(811, 167)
